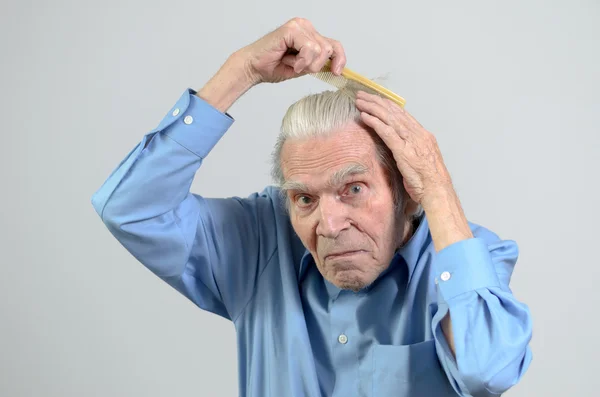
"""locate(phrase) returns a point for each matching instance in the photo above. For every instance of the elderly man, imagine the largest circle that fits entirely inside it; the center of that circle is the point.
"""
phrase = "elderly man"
(358, 275)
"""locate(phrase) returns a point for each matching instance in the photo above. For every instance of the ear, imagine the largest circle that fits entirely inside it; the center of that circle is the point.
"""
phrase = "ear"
(410, 208)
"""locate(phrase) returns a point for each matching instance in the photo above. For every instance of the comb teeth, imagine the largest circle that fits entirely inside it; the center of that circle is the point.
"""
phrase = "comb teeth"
(349, 82)
(330, 78)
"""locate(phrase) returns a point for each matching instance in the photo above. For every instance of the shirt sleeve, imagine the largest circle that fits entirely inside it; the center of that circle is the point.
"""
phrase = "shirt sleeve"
(491, 328)
(210, 249)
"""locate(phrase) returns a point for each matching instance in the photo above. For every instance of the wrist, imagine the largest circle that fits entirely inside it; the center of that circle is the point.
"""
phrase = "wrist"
(436, 194)
(447, 221)
(230, 82)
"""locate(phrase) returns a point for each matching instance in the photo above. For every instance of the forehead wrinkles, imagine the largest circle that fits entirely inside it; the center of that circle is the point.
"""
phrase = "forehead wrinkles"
(327, 160)
(299, 156)
(319, 151)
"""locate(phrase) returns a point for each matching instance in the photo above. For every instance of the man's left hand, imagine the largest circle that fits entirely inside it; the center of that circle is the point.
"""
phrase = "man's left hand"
(415, 149)
(426, 178)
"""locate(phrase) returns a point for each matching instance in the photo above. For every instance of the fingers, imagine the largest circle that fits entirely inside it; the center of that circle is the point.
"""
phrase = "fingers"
(383, 110)
(289, 60)
(313, 49)
(310, 51)
(375, 109)
(385, 103)
(398, 111)
(385, 132)
(412, 119)
(326, 52)
(338, 58)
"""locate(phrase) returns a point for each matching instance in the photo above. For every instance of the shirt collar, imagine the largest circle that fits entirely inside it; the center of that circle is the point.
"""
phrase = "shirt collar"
(409, 252)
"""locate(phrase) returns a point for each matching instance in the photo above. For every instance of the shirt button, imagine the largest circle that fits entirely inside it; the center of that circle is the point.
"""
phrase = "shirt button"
(343, 339)
(445, 276)
(188, 119)
(176, 112)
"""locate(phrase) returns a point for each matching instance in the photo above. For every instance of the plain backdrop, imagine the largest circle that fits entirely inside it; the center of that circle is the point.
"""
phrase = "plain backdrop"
(510, 89)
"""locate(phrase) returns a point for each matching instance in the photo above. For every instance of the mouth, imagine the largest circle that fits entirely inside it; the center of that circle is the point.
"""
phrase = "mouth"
(344, 254)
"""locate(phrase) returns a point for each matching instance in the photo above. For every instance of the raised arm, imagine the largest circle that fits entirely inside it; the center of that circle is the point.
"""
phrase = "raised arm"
(482, 331)
(211, 250)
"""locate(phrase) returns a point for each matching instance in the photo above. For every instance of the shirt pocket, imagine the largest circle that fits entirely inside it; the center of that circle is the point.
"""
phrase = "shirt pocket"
(409, 370)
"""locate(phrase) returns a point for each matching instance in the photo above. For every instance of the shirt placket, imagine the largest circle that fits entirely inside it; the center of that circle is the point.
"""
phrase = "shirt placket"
(344, 338)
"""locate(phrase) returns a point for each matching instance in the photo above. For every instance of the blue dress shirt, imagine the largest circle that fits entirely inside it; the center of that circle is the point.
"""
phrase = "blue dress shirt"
(297, 334)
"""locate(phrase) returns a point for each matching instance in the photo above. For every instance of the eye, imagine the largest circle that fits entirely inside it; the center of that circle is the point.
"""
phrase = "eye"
(355, 189)
(303, 200)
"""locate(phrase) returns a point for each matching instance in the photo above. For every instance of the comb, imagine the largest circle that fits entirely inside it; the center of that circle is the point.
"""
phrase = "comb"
(349, 78)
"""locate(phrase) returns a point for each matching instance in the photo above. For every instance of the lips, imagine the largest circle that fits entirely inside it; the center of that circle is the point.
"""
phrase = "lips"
(342, 254)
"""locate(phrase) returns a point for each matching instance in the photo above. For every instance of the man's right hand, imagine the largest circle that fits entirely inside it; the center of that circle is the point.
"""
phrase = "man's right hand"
(292, 50)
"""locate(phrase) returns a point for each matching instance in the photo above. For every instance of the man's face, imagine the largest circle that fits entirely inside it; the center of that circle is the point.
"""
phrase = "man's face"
(341, 205)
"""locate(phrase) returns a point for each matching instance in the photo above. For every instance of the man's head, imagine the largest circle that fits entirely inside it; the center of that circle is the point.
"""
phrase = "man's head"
(344, 193)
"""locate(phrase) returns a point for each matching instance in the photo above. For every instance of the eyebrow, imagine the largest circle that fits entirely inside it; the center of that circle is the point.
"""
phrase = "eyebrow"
(336, 179)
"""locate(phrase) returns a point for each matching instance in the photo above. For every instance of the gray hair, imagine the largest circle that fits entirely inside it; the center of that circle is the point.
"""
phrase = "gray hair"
(318, 115)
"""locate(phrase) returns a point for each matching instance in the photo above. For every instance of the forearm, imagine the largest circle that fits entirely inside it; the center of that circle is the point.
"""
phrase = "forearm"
(485, 329)
(445, 216)
(228, 84)
(448, 225)
(143, 198)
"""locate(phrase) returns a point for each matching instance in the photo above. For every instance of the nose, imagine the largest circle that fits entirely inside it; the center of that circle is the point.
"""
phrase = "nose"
(333, 217)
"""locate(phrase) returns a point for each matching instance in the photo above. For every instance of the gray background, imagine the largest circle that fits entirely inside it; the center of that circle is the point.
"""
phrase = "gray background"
(510, 88)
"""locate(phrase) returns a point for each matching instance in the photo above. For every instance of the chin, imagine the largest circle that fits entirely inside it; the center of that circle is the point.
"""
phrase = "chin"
(351, 280)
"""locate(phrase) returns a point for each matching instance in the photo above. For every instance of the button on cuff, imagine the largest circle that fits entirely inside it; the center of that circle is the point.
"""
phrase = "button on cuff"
(204, 119)
(465, 266)
(445, 276)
